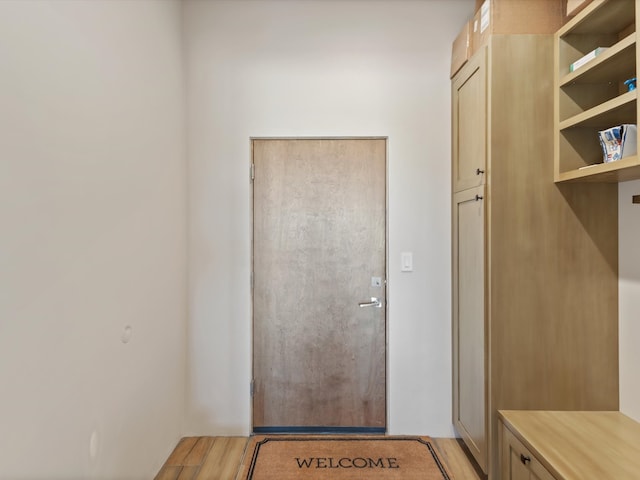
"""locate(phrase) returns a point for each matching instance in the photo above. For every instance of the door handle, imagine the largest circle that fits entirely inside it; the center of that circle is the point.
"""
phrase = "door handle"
(373, 303)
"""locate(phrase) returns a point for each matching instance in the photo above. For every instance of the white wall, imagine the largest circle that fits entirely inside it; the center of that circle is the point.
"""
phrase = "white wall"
(311, 68)
(92, 211)
(93, 238)
(629, 259)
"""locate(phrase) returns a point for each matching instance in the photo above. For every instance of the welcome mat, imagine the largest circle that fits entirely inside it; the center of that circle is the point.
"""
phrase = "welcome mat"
(347, 458)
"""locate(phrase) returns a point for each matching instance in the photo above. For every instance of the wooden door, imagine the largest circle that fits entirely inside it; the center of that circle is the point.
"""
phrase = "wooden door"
(469, 124)
(469, 337)
(319, 226)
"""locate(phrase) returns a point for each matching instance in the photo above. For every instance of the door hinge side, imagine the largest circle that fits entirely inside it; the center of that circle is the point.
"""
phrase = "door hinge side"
(251, 388)
(252, 172)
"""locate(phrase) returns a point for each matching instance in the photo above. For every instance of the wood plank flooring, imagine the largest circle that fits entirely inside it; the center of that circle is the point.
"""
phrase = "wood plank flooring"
(219, 458)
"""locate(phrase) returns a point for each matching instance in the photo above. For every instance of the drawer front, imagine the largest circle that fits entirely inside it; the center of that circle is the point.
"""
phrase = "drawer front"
(517, 462)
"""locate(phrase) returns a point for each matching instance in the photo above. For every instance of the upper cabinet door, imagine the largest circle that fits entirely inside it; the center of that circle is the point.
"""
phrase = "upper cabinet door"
(469, 118)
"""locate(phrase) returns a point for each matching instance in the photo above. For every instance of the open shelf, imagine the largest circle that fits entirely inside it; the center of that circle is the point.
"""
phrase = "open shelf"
(616, 62)
(594, 97)
(601, 16)
(621, 109)
(612, 172)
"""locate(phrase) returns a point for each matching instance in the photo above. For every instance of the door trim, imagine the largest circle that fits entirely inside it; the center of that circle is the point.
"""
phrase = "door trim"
(343, 430)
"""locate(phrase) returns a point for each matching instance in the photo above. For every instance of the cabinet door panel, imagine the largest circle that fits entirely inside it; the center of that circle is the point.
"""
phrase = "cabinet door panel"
(469, 321)
(517, 469)
(469, 117)
(518, 463)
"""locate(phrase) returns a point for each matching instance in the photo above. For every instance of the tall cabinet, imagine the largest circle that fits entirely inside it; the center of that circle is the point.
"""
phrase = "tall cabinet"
(534, 262)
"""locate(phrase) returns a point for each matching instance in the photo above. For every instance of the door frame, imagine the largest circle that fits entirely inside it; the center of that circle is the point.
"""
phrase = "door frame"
(386, 256)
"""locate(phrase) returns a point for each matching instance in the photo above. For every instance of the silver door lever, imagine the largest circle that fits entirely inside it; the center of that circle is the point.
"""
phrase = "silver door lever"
(373, 303)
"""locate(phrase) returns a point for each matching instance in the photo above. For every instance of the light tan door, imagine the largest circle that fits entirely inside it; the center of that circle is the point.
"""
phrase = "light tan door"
(319, 231)
(469, 337)
(469, 124)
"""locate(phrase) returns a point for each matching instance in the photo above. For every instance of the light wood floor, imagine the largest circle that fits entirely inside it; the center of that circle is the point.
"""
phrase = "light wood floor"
(219, 458)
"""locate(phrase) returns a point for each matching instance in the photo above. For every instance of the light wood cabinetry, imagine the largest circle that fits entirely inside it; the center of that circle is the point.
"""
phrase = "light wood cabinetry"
(555, 445)
(469, 114)
(469, 329)
(594, 97)
(534, 263)
(516, 461)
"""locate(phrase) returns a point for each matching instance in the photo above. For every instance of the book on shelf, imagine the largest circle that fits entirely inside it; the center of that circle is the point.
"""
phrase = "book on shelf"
(618, 142)
(586, 59)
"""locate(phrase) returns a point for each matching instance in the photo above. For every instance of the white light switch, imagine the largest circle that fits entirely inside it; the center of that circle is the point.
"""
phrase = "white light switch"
(406, 262)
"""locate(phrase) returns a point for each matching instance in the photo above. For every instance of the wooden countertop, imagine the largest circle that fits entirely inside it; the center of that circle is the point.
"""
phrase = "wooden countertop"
(579, 445)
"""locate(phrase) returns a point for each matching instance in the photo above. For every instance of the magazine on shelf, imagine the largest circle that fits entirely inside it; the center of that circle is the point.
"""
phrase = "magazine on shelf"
(618, 142)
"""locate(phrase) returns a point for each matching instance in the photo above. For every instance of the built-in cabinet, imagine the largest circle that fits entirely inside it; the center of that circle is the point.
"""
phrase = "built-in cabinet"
(594, 96)
(534, 262)
(544, 445)
(470, 123)
(516, 461)
(469, 308)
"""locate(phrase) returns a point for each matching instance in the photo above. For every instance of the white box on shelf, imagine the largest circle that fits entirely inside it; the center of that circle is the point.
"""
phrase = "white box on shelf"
(587, 58)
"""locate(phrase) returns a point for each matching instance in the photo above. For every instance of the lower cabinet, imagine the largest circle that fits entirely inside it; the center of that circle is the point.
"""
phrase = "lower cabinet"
(470, 409)
(568, 445)
(518, 463)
